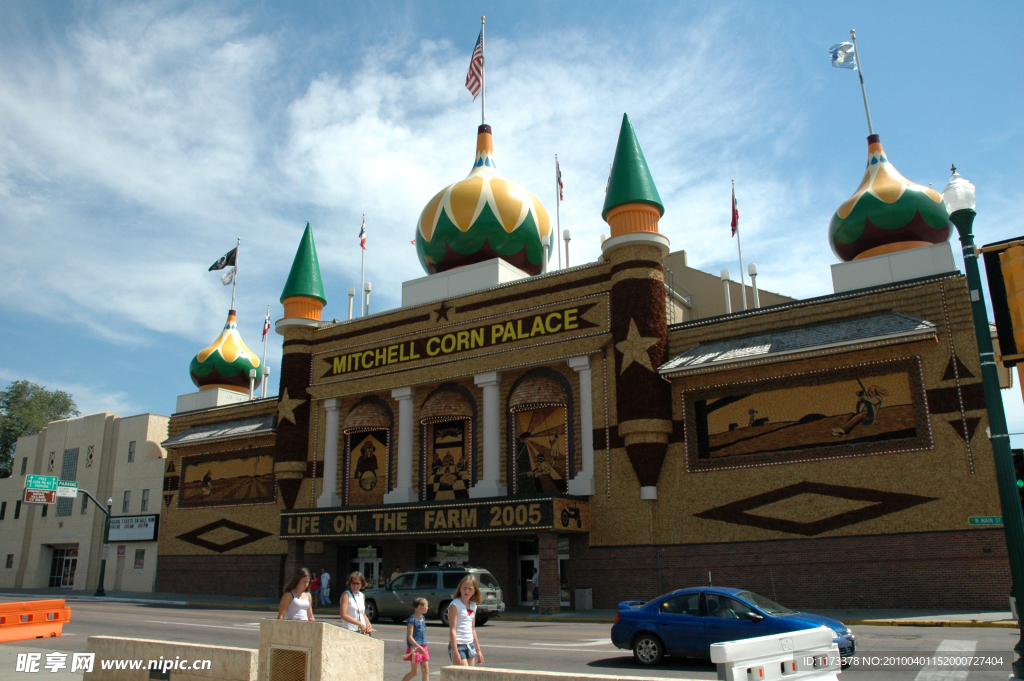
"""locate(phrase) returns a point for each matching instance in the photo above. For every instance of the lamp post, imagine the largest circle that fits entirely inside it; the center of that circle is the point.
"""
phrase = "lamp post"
(959, 198)
(106, 538)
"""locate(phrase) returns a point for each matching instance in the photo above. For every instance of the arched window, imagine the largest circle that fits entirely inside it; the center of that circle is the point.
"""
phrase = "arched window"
(447, 424)
(368, 456)
(541, 442)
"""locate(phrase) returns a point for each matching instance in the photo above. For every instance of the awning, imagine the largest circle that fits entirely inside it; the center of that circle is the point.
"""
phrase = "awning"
(260, 425)
(844, 335)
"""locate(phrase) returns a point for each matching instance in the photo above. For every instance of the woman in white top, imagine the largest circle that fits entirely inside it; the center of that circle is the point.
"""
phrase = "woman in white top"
(353, 605)
(295, 602)
(463, 645)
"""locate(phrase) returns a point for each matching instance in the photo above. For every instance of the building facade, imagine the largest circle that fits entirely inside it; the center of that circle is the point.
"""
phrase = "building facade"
(60, 545)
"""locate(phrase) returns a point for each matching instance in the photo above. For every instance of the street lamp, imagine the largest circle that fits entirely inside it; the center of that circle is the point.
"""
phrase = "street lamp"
(959, 198)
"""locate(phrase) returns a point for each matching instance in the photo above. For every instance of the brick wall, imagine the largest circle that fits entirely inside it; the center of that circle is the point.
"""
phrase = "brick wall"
(938, 570)
(550, 594)
(234, 575)
(493, 556)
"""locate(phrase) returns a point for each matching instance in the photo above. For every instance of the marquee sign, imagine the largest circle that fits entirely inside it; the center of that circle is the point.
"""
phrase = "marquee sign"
(562, 321)
(501, 515)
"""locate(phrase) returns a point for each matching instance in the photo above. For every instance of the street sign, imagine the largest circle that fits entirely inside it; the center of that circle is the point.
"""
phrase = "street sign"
(40, 496)
(67, 488)
(45, 482)
(106, 551)
(985, 520)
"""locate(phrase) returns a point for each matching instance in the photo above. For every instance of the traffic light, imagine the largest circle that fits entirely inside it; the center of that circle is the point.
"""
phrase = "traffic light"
(1018, 470)
(1011, 262)
(1004, 266)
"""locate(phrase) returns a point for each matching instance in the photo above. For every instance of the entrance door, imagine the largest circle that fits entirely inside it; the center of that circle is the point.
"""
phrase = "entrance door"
(62, 568)
(526, 567)
(370, 567)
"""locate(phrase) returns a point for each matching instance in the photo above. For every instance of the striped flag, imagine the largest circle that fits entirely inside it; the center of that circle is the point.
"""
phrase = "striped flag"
(362, 234)
(558, 175)
(735, 213)
(474, 78)
(266, 326)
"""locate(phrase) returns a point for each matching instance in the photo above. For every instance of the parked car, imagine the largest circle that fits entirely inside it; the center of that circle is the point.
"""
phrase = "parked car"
(437, 585)
(686, 622)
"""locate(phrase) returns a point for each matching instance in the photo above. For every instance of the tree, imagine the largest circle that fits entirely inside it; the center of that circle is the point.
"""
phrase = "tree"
(27, 408)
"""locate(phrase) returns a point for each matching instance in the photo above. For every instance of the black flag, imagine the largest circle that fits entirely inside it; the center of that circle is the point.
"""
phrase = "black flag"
(226, 260)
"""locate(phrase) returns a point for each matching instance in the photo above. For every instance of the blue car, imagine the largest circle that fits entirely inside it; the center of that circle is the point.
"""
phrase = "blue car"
(688, 621)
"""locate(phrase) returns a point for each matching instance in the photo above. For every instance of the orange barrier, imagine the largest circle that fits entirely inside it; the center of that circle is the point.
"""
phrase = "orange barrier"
(32, 619)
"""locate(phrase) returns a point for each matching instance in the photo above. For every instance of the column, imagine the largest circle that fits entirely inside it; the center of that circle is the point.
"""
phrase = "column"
(549, 586)
(403, 493)
(295, 559)
(329, 492)
(489, 484)
(583, 483)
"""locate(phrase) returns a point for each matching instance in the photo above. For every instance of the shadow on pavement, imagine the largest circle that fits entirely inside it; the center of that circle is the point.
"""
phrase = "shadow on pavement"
(677, 664)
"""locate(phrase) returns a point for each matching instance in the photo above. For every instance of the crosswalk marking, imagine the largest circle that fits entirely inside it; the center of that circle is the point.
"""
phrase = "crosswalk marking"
(937, 673)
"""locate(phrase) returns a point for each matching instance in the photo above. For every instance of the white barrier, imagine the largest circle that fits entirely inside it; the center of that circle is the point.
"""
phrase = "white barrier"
(492, 674)
(807, 654)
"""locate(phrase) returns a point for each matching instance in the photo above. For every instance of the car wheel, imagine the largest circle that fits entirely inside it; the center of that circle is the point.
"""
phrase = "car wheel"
(648, 650)
(371, 611)
(442, 612)
(481, 620)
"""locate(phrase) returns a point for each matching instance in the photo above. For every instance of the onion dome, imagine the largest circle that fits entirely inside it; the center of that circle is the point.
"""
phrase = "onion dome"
(226, 362)
(303, 295)
(483, 217)
(887, 213)
(630, 180)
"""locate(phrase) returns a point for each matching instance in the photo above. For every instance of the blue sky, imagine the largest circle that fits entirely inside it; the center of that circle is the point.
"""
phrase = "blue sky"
(137, 141)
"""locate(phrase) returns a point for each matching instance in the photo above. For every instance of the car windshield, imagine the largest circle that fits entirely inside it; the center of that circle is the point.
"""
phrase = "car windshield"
(766, 604)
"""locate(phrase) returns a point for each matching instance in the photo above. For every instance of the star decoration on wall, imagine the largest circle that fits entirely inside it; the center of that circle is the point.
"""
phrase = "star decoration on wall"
(442, 312)
(635, 347)
(286, 408)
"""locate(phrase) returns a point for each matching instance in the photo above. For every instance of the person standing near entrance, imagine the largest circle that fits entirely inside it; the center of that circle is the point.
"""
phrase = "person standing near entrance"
(314, 589)
(463, 645)
(398, 571)
(536, 587)
(295, 602)
(353, 606)
(325, 586)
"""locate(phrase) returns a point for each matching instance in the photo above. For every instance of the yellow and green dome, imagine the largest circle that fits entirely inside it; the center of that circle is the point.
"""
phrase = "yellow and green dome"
(887, 213)
(483, 217)
(226, 362)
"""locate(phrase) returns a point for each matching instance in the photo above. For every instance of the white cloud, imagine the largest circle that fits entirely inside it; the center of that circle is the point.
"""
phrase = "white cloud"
(89, 399)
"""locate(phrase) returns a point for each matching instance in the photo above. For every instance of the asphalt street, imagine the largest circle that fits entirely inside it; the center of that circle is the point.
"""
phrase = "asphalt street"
(562, 646)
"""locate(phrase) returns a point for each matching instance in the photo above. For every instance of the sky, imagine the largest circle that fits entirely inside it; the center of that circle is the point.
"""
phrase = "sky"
(138, 141)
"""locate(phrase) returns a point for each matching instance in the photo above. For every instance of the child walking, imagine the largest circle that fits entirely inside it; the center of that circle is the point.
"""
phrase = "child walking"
(416, 639)
(463, 644)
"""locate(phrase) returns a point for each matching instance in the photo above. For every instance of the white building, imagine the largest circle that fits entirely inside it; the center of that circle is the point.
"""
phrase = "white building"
(60, 545)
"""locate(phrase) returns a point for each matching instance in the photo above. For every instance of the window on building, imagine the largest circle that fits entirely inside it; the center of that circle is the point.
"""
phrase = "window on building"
(145, 501)
(17, 509)
(140, 558)
(68, 471)
(24, 465)
(126, 504)
(46, 508)
(10, 561)
(131, 451)
(85, 504)
(3, 509)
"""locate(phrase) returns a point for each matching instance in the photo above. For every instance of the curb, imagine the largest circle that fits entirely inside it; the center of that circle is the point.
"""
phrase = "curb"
(95, 599)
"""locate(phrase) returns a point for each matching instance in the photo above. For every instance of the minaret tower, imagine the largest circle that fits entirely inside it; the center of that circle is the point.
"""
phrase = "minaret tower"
(303, 296)
(632, 208)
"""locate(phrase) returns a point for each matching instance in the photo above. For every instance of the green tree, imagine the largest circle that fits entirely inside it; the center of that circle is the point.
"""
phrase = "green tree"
(26, 408)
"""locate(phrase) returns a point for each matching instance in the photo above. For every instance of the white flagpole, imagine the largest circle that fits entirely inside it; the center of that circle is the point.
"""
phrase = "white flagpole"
(362, 270)
(558, 211)
(483, 76)
(860, 74)
(739, 248)
(263, 368)
(234, 279)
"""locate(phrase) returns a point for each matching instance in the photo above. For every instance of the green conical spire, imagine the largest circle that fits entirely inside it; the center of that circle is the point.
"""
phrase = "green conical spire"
(305, 279)
(631, 180)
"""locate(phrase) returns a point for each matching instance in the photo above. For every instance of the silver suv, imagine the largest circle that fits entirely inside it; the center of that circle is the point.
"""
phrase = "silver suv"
(437, 585)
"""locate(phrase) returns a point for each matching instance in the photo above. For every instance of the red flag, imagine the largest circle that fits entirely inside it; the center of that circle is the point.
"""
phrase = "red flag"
(735, 213)
(266, 326)
(362, 234)
(474, 77)
(558, 174)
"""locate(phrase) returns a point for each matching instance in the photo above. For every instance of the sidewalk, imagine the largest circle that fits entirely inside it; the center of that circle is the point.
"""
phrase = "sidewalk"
(892, 617)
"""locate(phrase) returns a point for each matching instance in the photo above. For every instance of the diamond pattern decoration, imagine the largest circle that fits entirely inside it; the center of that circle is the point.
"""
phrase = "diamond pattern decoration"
(884, 503)
(971, 426)
(251, 534)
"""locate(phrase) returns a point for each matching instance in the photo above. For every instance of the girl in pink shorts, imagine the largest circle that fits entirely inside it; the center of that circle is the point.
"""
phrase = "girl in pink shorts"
(416, 639)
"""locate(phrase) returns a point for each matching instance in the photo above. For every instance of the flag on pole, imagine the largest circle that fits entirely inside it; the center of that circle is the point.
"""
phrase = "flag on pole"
(226, 260)
(266, 326)
(362, 234)
(474, 77)
(229, 277)
(558, 174)
(735, 214)
(844, 56)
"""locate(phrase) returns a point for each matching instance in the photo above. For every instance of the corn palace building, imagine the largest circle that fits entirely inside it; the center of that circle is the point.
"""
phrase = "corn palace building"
(828, 452)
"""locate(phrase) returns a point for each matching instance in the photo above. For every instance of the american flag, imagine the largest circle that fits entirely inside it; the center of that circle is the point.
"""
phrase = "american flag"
(474, 77)
(558, 176)
(735, 213)
(266, 326)
(362, 234)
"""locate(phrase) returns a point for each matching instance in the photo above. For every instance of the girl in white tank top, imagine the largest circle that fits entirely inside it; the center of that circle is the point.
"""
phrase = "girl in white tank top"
(353, 606)
(463, 645)
(295, 602)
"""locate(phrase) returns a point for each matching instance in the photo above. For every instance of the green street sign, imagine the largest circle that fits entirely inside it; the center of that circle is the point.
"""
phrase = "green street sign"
(67, 488)
(985, 520)
(43, 482)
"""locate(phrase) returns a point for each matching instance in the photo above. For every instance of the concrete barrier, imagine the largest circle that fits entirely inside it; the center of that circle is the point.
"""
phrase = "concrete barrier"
(225, 664)
(490, 674)
(807, 654)
(317, 651)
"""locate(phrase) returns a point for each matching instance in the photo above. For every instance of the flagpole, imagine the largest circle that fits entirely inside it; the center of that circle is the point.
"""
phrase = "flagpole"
(234, 279)
(558, 211)
(739, 248)
(483, 76)
(265, 334)
(860, 74)
(362, 273)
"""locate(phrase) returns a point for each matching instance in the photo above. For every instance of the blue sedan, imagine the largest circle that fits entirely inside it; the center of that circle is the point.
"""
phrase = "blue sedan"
(688, 621)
